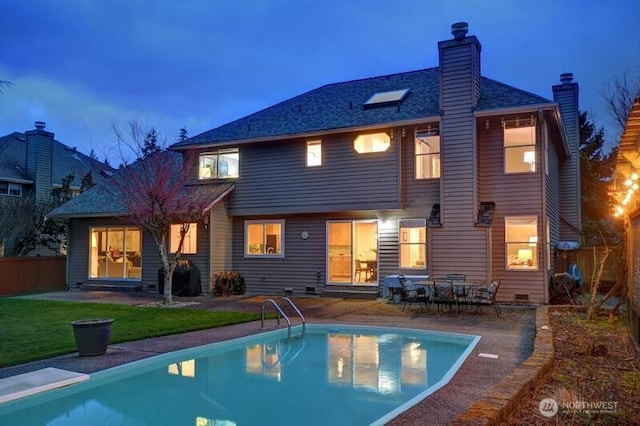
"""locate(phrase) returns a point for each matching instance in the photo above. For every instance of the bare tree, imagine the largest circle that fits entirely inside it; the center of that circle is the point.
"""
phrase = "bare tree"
(619, 97)
(154, 193)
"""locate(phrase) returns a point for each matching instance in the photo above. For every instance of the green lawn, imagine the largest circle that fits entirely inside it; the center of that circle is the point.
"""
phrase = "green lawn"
(37, 329)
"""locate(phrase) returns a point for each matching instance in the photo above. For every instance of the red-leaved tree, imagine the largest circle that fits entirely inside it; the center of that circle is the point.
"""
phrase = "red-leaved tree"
(154, 194)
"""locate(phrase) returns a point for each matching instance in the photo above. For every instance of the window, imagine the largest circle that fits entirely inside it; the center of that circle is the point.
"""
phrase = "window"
(13, 189)
(519, 148)
(190, 243)
(223, 164)
(115, 252)
(314, 153)
(413, 243)
(264, 238)
(521, 238)
(427, 144)
(372, 142)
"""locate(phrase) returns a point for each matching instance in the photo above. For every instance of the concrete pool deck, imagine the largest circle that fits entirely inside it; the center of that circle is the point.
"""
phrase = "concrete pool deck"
(483, 391)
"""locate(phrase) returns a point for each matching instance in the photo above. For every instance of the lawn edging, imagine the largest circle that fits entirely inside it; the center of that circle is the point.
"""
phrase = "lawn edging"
(506, 396)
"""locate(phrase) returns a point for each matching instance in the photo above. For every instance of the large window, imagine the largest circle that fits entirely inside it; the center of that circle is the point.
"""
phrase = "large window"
(190, 243)
(521, 239)
(264, 238)
(427, 143)
(413, 243)
(519, 148)
(223, 164)
(372, 142)
(115, 252)
(13, 189)
(314, 153)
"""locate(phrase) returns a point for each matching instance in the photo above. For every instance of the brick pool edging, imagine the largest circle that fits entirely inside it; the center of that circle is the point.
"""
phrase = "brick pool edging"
(507, 395)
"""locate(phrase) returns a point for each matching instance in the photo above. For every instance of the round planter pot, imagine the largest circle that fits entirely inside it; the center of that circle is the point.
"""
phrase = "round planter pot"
(92, 335)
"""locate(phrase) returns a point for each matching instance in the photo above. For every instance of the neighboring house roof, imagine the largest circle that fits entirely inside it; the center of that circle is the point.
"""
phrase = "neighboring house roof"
(100, 201)
(66, 160)
(339, 106)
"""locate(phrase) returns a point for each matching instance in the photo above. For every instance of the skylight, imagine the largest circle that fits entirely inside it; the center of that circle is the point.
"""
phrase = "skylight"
(392, 97)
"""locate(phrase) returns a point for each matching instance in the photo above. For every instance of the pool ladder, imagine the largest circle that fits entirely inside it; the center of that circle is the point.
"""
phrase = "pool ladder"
(281, 313)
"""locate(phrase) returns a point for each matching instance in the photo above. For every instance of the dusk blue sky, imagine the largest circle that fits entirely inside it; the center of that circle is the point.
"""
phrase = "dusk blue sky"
(82, 66)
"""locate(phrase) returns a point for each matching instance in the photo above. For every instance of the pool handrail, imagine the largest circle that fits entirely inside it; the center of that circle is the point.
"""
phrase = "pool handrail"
(281, 314)
(295, 308)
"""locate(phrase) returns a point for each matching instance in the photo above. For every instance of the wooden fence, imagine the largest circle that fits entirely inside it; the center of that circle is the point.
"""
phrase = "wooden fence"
(587, 258)
(31, 274)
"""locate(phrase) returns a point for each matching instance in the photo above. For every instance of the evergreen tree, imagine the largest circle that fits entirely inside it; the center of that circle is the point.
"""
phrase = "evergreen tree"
(183, 136)
(596, 171)
(150, 143)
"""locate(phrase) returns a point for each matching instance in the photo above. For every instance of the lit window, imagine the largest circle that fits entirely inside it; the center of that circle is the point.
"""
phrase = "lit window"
(190, 243)
(13, 189)
(413, 243)
(519, 149)
(372, 142)
(314, 153)
(115, 252)
(184, 368)
(223, 164)
(264, 238)
(521, 239)
(427, 143)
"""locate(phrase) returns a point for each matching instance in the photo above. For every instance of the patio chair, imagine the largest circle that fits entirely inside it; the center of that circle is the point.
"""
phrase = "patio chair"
(443, 293)
(487, 296)
(413, 294)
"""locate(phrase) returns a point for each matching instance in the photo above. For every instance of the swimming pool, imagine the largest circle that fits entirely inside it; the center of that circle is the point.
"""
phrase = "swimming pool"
(335, 374)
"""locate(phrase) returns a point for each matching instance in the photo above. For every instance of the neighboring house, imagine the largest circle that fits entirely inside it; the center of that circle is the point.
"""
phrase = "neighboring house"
(625, 191)
(33, 163)
(434, 171)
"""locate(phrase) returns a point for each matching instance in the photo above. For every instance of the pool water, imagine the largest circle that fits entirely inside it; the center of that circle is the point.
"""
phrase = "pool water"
(335, 374)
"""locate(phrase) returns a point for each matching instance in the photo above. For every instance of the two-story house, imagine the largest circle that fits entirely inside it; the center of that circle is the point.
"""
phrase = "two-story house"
(425, 172)
(34, 163)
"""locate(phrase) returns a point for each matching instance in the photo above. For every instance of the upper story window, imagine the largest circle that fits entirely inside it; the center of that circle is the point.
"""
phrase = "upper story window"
(519, 147)
(427, 147)
(13, 189)
(413, 243)
(264, 238)
(222, 164)
(521, 239)
(314, 153)
(190, 243)
(372, 142)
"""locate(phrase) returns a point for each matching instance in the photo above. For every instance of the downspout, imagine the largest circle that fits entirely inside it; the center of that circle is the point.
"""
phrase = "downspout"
(546, 252)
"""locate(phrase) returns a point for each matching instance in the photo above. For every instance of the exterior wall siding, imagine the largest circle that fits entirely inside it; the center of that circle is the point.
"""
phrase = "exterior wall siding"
(567, 96)
(78, 254)
(40, 161)
(459, 94)
(514, 195)
(220, 241)
(274, 178)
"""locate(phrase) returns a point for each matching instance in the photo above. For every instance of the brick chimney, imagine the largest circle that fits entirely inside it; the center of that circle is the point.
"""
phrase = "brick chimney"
(566, 95)
(40, 159)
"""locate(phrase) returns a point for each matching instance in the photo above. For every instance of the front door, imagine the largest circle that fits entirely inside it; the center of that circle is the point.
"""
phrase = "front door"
(352, 252)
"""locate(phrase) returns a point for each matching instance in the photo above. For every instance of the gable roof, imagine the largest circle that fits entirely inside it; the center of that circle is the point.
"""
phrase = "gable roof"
(340, 106)
(66, 160)
(100, 201)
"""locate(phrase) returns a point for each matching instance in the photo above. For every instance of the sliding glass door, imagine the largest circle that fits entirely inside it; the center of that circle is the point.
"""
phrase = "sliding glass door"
(352, 252)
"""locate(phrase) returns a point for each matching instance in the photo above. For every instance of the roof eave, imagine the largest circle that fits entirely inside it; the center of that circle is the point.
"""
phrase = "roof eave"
(554, 107)
(312, 134)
